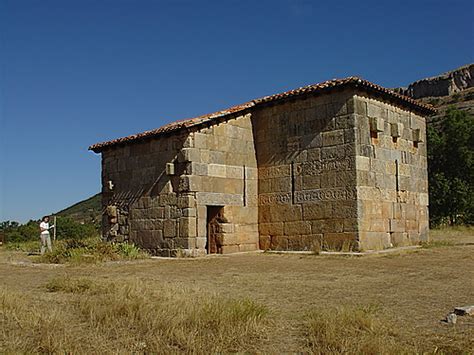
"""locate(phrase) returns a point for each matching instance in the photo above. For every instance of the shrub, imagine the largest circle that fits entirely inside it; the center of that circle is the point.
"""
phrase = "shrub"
(90, 250)
(30, 246)
(129, 251)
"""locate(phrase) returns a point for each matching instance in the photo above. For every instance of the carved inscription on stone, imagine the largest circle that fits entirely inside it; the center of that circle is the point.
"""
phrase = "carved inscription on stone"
(282, 198)
(270, 172)
(338, 194)
(317, 167)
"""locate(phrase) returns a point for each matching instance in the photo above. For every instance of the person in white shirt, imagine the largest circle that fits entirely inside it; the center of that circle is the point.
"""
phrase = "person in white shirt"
(45, 237)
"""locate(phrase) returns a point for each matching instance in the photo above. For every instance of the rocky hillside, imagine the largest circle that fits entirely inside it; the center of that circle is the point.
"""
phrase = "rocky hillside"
(454, 88)
(445, 84)
(463, 100)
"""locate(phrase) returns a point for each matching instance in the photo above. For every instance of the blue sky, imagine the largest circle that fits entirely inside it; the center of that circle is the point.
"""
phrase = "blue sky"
(76, 72)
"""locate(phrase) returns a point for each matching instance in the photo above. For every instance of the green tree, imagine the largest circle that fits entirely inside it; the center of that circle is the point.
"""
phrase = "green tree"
(16, 232)
(451, 168)
(8, 225)
(67, 228)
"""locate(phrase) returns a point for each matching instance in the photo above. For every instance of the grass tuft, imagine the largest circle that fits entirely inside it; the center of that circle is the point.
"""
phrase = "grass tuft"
(130, 317)
(349, 330)
(75, 285)
(437, 244)
(366, 330)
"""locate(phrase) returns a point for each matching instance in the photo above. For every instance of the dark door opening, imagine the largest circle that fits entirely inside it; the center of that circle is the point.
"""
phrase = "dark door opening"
(215, 215)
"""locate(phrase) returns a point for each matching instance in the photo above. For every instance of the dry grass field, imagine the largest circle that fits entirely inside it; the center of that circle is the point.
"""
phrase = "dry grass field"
(256, 302)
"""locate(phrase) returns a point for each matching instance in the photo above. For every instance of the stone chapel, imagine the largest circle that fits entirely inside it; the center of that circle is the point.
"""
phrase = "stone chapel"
(336, 165)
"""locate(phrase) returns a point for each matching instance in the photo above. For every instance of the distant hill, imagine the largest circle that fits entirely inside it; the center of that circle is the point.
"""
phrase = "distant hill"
(86, 211)
(446, 84)
(454, 88)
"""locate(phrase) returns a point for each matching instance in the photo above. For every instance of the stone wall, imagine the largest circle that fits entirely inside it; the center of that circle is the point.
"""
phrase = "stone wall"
(143, 202)
(339, 170)
(156, 193)
(392, 181)
(306, 173)
(221, 170)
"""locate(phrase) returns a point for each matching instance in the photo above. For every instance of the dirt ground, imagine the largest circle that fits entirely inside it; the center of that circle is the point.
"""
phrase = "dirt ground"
(414, 289)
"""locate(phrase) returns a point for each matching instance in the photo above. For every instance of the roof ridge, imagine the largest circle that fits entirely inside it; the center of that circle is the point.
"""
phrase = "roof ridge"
(318, 87)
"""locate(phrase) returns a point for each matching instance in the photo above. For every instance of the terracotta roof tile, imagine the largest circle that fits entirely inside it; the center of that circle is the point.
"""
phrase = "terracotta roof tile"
(355, 82)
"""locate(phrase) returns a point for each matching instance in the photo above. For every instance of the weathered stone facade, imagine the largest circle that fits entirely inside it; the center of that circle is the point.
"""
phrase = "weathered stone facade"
(307, 173)
(392, 177)
(337, 168)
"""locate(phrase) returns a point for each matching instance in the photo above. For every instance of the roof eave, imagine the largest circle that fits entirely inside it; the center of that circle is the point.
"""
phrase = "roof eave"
(328, 86)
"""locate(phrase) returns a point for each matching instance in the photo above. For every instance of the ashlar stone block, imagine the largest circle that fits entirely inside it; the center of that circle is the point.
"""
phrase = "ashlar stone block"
(340, 241)
(362, 163)
(399, 239)
(187, 227)
(186, 201)
(417, 135)
(396, 130)
(189, 212)
(332, 138)
(271, 228)
(264, 242)
(397, 225)
(169, 228)
(189, 154)
(279, 242)
(200, 140)
(327, 226)
(248, 247)
(360, 106)
(297, 228)
(376, 124)
(316, 210)
(279, 213)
